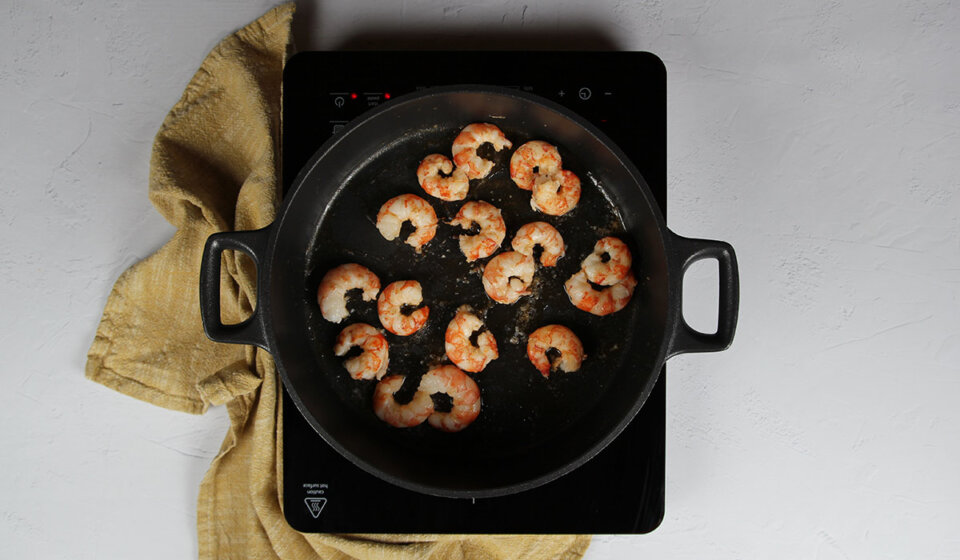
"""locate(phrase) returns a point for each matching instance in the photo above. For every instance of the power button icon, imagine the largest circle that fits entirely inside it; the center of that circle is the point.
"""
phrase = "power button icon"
(585, 93)
(338, 101)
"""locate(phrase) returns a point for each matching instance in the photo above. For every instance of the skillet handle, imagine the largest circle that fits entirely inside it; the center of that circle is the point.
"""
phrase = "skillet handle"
(684, 252)
(251, 331)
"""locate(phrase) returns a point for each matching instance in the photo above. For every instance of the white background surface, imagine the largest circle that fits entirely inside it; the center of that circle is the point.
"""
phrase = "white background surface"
(820, 138)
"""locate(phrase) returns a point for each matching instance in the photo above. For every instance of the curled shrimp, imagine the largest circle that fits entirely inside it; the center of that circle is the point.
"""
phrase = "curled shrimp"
(332, 292)
(531, 160)
(465, 148)
(507, 276)
(560, 339)
(599, 302)
(492, 229)
(462, 390)
(390, 306)
(408, 208)
(399, 415)
(544, 235)
(370, 364)
(464, 353)
(556, 194)
(611, 271)
(440, 179)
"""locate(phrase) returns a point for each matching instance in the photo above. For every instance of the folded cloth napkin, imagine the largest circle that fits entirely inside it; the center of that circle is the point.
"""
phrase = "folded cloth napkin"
(214, 168)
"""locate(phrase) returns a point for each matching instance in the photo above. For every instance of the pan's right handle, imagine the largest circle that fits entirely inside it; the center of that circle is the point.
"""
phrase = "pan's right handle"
(251, 331)
(684, 252)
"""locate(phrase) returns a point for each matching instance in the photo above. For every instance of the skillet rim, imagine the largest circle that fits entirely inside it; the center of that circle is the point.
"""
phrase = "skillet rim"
(264, 298)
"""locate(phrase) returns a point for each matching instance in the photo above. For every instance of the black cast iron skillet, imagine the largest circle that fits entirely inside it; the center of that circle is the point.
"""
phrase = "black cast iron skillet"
(530, 429)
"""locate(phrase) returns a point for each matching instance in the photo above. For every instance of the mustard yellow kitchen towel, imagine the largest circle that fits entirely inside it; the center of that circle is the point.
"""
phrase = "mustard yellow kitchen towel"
(215, 168)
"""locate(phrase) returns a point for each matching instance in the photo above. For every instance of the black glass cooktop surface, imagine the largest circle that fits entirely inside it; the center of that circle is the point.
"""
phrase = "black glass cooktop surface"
(621, 490)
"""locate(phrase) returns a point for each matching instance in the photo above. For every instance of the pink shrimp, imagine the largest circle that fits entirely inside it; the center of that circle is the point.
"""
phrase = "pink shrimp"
(373, 362)
(507, 276)
(559, 338)
(457, 342)
(465, 148)
(333, 288)
(440, 179)
(544, 235)
(461, 388)
(532, 160)
(399, 415)
(612, 271)
(408, 208)
(599, 302)
(390, 307)
(556, 194)
(492, 229)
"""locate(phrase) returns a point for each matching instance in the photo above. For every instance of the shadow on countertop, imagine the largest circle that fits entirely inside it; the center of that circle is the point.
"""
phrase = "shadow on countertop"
(564, 36)
(570, 39)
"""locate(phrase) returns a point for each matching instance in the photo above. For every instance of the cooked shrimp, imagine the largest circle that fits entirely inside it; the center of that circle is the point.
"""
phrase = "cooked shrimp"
(390, 307)
(559, 338)
(531, 160)
(507, 276)
(407, 208)
(400, 415)
(614, 269)
(331, 294)
(370, 364)
(492, 229)
(556, 194)
(440, 179)
(462, 389)
(599, 302)
(544, 235)
(465, 148)
(467, 355)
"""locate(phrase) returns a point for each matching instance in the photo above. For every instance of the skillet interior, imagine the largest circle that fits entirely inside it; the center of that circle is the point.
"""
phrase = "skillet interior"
(530, 429)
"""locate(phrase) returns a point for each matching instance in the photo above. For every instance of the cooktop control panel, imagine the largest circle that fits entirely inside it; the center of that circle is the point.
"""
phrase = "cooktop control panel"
(345, 105)
(614, 90)
(621, 490)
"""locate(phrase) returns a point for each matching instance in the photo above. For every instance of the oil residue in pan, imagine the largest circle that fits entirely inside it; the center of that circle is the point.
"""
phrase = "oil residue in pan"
(520, 407)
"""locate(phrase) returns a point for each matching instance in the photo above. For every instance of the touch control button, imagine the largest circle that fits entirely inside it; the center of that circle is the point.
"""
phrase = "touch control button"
(585, 93)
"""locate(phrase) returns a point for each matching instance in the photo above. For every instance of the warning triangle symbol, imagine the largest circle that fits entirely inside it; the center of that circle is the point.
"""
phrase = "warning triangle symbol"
(315, 506)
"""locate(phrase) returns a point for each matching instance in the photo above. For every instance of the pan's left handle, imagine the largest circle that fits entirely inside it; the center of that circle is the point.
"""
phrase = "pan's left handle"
(251, 331)
(684, 252)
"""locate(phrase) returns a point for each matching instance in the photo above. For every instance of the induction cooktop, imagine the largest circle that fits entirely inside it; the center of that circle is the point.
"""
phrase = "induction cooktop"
(621, 490)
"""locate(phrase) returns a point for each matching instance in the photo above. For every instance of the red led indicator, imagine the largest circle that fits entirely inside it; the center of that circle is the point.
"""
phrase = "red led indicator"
(386, 96)
(353, 96)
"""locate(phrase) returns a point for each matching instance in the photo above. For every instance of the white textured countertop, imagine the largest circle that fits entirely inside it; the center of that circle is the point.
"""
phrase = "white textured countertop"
(821, 140)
